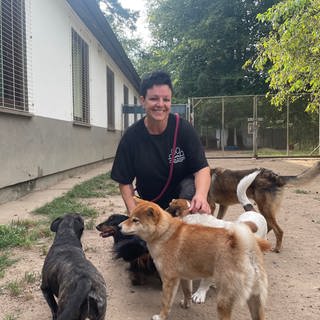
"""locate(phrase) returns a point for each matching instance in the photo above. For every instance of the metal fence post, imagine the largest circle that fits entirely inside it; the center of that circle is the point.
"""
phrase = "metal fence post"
(222, 125)
(255, 128)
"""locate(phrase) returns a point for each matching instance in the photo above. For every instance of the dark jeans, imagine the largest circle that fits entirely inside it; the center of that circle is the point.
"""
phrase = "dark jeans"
(186, 188)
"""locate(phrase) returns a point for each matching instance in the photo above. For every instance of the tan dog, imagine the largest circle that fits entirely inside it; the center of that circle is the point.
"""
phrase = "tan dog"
(266, 190)
(255, 221)
(186, 252)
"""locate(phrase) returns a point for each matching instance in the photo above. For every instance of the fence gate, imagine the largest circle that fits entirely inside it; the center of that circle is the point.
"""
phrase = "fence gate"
(249, 126)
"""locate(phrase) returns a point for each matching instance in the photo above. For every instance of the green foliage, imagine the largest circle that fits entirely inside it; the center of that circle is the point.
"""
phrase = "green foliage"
(65, 204)
(99, 187)
(290, 53)
(5, 262)
(13, 235)
(30, 277)
(10, 317)
(123, 22)
(14, 288)
(204, 44)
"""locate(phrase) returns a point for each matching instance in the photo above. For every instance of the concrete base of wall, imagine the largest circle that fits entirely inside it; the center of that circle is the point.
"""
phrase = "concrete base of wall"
(19, 190)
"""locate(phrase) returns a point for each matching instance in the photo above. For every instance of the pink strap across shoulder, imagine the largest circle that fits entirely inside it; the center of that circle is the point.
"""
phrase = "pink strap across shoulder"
(172, 160)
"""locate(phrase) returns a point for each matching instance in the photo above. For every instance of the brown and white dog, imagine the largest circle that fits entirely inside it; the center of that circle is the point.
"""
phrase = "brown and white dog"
(255, 221)
(266, 190)
(184, 252)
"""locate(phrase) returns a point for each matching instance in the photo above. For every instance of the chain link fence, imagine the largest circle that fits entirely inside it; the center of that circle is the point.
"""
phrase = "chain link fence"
(249, 126)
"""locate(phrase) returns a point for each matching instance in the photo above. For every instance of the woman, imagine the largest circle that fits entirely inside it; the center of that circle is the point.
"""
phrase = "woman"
(144, 153)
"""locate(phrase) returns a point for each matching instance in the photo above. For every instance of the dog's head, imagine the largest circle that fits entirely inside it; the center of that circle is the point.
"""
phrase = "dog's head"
(146, 220)
(111, 226)
(179, 207)
(70, 221)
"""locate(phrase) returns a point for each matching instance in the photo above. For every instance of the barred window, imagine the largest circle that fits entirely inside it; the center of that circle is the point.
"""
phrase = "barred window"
(110, 99)
(80, 79)
(13, 56)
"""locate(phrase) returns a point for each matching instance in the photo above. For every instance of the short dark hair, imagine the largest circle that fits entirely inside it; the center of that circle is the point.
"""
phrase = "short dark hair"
(158, 77)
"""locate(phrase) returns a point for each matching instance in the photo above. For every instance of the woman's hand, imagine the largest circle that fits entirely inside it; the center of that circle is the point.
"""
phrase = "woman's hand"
(199, 203)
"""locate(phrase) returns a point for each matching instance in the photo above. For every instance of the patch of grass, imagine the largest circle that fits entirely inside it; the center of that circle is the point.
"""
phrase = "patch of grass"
(300, 191)
(97, 187)
(91, 224)
(10, 317)
(14, 288)
(44, 250)
(5, 262)
(65, 204)
(30, 277)
(17, 287)
(13, 236)
(21, 233)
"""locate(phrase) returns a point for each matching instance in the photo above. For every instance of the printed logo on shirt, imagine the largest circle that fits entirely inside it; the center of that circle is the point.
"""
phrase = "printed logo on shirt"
(178, 156)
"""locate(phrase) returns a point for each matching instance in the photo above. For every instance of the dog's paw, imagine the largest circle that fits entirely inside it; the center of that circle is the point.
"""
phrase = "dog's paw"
(185, 303)
(156, 317)
(276, 250)
(199, 296)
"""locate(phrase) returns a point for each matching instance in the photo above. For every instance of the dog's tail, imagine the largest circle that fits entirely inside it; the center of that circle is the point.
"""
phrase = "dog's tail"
(242, 187)
(264, 244)
(244, 235)
(304, 177)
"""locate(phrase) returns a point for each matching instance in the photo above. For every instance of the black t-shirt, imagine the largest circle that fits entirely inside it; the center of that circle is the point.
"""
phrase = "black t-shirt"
(147, 157)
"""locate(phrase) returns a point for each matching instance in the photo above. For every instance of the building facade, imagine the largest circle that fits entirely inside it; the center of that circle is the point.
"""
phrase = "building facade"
(64, 79)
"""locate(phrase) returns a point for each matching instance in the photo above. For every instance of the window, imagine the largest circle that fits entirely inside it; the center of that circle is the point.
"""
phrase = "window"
(126, 102)
(13, 56)
(110, 99)
(80, 79)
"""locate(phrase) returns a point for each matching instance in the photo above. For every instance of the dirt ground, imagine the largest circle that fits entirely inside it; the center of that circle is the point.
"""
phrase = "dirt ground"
(294, 273)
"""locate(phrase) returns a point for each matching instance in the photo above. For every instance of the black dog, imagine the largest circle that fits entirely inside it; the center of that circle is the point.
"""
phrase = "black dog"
(131, 249)
(70, 277)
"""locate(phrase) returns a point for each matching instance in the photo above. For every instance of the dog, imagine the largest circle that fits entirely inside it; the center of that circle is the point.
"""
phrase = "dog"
(266, 190)
(184, 252)
(131, 249)
(255, 221)
(69, 277)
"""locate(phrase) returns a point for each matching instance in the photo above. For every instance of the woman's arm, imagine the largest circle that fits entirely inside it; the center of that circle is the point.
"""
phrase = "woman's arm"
(127, 193)
(202, 180)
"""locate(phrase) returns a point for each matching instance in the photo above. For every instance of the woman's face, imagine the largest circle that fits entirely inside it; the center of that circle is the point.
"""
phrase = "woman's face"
(157, 102)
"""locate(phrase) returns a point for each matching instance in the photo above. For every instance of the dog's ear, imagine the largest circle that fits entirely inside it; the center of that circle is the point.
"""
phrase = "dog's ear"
(150, 212)
(55, 224)
(79, 225)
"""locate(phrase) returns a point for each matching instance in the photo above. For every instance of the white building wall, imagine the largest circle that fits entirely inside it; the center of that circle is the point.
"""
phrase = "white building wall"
(46, 142)
(51, 59)
(52, 22)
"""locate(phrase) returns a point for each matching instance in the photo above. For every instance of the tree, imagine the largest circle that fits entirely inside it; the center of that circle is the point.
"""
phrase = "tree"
(123, 22)
(204, 44)
(290, 53)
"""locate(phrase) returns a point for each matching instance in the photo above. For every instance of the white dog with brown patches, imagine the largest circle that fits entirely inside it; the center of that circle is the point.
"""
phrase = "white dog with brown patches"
(185, 252)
